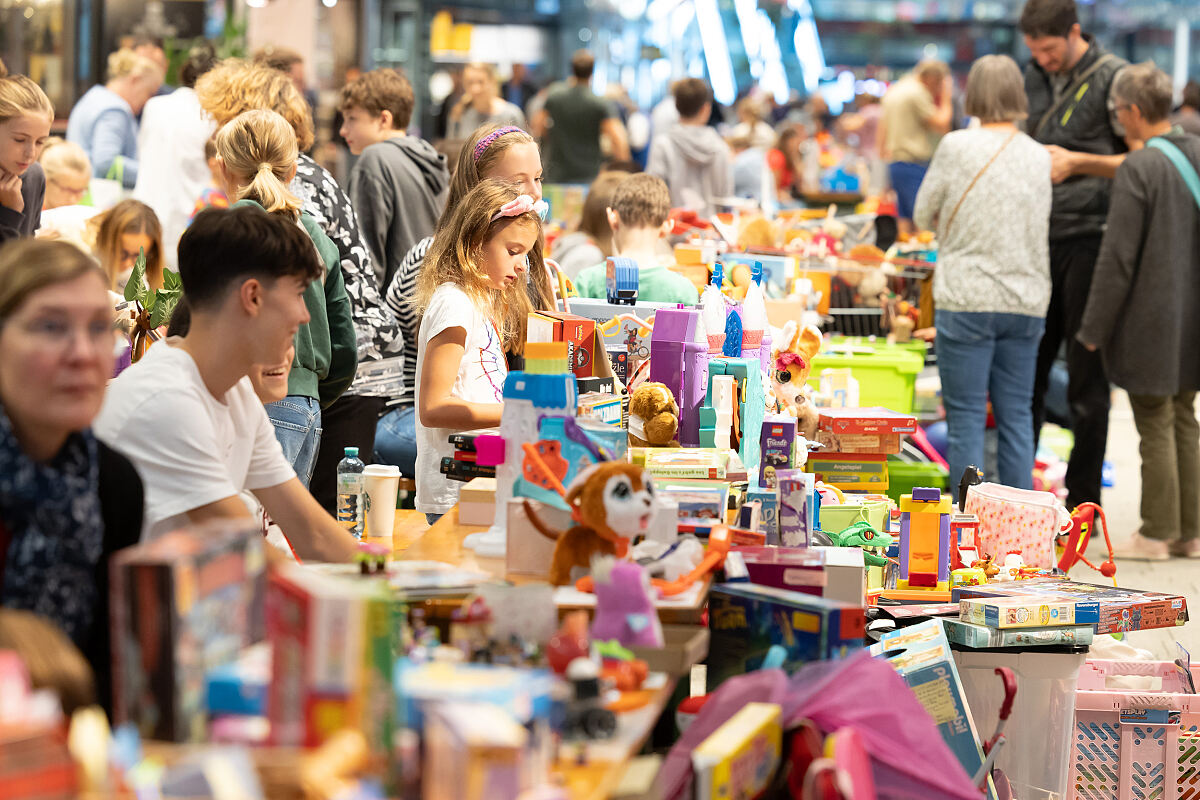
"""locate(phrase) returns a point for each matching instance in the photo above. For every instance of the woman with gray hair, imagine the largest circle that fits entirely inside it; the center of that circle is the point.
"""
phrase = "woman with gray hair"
(987, 194)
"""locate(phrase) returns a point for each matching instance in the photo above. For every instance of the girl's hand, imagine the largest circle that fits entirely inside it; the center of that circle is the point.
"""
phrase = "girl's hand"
(10, 191)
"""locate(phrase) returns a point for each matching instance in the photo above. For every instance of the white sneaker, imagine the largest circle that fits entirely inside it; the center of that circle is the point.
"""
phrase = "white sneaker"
(1140, 548)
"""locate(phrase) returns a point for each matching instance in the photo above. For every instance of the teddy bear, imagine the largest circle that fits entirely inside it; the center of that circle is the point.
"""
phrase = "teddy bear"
(791, 362)
(653, 416)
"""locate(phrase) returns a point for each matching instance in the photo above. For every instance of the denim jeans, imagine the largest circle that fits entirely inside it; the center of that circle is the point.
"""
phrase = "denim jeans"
(981, 354)
(396, 439)
(906, 178)
(297, 422)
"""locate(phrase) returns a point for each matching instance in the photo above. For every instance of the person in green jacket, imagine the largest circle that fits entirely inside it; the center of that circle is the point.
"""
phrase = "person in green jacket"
(256, 155)
(638, 216)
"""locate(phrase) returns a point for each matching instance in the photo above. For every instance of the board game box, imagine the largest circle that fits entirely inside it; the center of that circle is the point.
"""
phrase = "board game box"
(1111, 609)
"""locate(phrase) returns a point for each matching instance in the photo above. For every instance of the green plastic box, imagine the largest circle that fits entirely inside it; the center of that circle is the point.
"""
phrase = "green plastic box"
(885, 378)
(877, 344)
(838, 517)
(904, 476)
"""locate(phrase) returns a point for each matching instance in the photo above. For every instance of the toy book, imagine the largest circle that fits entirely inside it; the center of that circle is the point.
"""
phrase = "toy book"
(1109, 609)
(739, 759)
(981, 636)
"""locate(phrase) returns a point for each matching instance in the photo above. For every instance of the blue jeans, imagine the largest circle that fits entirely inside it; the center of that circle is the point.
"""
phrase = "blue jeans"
(396, 439)
(906, 179)
(297, 422)
(981, 354)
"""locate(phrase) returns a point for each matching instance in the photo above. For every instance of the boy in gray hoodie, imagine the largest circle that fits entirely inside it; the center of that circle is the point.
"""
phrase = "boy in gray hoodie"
(692, 157)
(398, 185)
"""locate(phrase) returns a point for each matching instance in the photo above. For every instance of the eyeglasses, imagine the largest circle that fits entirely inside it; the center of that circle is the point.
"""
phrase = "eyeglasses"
(70, 191)
(62, 334)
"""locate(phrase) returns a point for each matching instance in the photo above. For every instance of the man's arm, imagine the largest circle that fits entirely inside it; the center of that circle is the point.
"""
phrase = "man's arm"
(1068, 163)
(614, 131)
(312, 533)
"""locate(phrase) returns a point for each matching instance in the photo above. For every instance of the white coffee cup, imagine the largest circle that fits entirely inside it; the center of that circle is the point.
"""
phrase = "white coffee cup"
(381, 484)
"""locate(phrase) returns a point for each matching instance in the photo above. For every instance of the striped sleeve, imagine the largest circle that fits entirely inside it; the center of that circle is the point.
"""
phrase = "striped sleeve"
(398, 299)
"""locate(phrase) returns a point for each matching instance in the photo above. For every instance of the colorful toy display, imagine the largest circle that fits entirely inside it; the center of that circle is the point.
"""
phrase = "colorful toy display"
(924, 543)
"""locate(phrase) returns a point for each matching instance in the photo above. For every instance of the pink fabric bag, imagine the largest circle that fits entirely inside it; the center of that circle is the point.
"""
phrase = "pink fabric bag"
(1018, 519)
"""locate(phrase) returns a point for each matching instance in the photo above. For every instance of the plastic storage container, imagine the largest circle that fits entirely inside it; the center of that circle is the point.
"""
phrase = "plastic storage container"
(886, 377)
(1037, 757)
(1135, 744)
(837, 517)
(879, 344)
(904, 476)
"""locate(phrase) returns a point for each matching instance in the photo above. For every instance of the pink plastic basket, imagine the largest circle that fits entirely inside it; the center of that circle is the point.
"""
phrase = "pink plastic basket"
(1135, 745)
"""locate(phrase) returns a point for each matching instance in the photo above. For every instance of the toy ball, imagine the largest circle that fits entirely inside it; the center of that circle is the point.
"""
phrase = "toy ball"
(1108, 569)
(938, 437)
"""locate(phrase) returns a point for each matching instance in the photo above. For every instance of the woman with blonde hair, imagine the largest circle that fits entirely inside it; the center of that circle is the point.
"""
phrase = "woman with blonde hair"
(68, 173)
(987, 193)
(234, 86)
(104, 121)
(121, 233)
(256, 159)
(67, 501)
(25, 117)
(481, 104)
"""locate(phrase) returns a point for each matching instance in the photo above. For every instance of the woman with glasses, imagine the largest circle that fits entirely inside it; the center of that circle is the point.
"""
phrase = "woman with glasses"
(67, 502)
(68, 173)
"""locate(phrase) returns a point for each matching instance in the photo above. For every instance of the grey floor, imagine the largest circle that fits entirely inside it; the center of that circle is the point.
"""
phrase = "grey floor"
(1120, 503)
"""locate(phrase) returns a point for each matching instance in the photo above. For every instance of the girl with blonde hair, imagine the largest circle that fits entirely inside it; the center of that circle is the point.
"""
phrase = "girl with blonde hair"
(68, 173)
(104, 121)
(25, 117)
(121, 233)
(472, 300)
(256, 160)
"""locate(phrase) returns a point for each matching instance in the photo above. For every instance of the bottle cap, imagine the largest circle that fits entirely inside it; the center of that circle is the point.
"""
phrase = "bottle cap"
(352, 452)
(718, 274)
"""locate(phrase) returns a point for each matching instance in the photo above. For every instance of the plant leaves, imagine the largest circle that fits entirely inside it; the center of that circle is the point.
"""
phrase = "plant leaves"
(135, 289)
(171, 281)
(164, 307)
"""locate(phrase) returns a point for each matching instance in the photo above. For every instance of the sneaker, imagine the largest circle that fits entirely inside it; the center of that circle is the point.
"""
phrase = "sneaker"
(1140, 548)
(1188, 549)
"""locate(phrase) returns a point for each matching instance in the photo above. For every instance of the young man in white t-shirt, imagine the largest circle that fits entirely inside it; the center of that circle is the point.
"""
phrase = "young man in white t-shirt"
(187, 416)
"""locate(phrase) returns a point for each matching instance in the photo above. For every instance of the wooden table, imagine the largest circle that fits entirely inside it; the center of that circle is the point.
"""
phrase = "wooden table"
(414, 540)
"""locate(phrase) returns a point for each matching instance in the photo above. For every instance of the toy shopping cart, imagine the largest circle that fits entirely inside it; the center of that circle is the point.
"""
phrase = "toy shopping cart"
(1136, 745)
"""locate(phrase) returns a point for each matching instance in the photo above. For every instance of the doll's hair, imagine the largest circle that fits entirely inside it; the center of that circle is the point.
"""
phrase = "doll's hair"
(457, 250)
(478, 157)
(259, 148)
(19, 95)
(128, 216)
(52, 659)
(235, 86)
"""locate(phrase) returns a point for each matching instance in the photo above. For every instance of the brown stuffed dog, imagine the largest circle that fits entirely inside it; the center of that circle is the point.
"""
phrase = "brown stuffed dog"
(611, 502)
(653, 416)
(791, 361)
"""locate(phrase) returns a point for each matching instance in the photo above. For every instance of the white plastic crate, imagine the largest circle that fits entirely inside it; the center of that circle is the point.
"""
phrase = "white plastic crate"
(1135, 745)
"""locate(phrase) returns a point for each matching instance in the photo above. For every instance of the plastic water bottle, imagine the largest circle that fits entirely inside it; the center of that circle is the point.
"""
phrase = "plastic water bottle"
(350, 492)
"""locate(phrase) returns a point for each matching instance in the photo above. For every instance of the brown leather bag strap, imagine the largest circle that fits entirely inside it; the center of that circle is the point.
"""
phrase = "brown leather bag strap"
(975, 180)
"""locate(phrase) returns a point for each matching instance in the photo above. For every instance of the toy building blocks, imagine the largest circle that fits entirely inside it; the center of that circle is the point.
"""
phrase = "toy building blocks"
(679, 360)
(965, 548)
(621, 280)
(924, 542)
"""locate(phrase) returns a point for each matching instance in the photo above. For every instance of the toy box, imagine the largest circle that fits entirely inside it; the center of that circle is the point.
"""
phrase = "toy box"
(972, 635)
(861, 472)
(835, 573)
(1110, 609)
(624, 335)
(474, 750)
(578, 332)
(866, 421)
(240, 687)
(477, 502)
(768, 514)
(797, 507)
(1027, 612)
(333, 644)
(702, 504)
(739, 758)
(746, 620)
(777, 447)
(526, 694)
(181, 605)
(921, 654)
(602, 407)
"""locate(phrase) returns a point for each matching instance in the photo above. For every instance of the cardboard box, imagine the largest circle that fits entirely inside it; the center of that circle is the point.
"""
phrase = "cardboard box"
(684, 646)
(796, 491)
(477, 502)
(969, 634)
(1026, 612)
(768, 511)
(181, 606)
(529, 552)
(862, 472)
(777, 446)
(1109, 609)
(887, 443)
(921, 654)
(835, 573)
(875, 421)
(746, 620)
(578, 332)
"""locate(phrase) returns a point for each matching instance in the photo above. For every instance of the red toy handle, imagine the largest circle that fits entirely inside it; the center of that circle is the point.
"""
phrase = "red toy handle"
(1010, 690)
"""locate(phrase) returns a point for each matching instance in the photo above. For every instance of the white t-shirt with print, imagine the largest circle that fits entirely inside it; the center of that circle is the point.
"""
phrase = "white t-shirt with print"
(480, 380)
(189, 448)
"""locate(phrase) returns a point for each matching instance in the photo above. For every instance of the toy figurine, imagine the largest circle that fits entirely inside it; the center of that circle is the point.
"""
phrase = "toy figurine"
(988, 566)
(371, 558)
(570, 643)
(586, 717)
(624, 604)
(1010, 570)
(611, 502)
(791, 359)
(861, 534)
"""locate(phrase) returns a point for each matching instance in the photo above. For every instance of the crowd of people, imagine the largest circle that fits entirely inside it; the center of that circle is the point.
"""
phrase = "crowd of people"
(386, 315)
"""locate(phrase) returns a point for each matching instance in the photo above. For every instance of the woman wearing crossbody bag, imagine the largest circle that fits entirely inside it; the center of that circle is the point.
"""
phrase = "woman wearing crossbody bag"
(987, 194)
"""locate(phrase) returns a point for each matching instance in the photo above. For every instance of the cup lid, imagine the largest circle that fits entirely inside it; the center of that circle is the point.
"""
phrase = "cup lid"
(382, 470)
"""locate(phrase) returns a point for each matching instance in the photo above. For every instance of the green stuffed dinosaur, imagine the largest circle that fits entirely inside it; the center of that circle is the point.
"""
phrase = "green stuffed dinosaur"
(861, 534)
